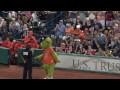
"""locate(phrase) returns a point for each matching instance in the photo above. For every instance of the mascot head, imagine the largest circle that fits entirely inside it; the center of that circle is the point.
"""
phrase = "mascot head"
(46, 43)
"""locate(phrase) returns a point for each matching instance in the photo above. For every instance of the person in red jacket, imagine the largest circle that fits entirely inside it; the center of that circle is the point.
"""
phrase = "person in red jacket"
(12, 52)
(18, 45)
(80, 33)
(30, 39)
(7, 43)
(37, 46)
(3, 44)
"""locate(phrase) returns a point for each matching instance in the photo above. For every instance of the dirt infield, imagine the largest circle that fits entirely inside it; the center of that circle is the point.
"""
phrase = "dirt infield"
(15, 72)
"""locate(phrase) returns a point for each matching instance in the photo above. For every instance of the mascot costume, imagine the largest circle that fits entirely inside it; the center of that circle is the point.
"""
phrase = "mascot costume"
(49, 58)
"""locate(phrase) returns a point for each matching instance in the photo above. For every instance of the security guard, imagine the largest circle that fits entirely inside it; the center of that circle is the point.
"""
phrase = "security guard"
(27, 60)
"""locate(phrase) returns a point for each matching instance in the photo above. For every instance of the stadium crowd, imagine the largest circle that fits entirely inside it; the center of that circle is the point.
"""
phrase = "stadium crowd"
(91, 33)
(81, 32)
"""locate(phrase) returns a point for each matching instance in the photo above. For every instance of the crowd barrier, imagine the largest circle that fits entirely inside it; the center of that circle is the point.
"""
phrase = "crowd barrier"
(4, 56)
(89, 63)
(71, 61)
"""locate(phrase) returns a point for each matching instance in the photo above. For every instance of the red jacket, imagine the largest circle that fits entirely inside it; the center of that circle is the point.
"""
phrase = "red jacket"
(32, 41)
(80, 33)
(6, 44)
(17, 46)
(27, 39)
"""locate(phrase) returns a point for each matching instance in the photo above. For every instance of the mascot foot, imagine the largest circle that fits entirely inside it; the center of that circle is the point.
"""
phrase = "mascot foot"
(46, 78)
(51, 78)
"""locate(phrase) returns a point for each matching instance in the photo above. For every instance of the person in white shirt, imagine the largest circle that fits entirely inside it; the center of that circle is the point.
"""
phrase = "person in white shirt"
(17, 24)
(14, 25)
(1, 21)
(12, 14)
(91, 16)
(34, 17)
(25, 30)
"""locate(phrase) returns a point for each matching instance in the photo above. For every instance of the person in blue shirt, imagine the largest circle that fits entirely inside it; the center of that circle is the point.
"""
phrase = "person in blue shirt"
(60, 29)
(59, 32)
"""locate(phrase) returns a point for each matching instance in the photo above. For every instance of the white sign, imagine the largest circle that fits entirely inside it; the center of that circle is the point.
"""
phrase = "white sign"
(25, 53)
(89, 64)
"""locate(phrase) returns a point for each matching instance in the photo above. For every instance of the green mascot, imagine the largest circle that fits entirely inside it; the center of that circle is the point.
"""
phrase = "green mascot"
(49, 58)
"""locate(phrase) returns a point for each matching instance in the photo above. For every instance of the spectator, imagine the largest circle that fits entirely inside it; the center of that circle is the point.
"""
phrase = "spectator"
(111, 32)
(31, 40)
(69, 29)
(102, 20)
(68, 20)
(98, 24)
(91, 17)
(80, 33)
(28, 14)
(90, 51)
(14, 26)
(73, 15)
(25, 30)
(0, 40)
(34, 17)
(60, 29)
(118, 43)
(117, 30)
(7, 43)
(107, 36)
(78, 22)
(12, 14)
(101, 40)
(3, 27)
(81, 50)
(1, 21)
(116, 52)
(117, 15)
(76, 45)
(62, 47)
(82, 16)
(109, 17)
(70, 48)
(88, 35)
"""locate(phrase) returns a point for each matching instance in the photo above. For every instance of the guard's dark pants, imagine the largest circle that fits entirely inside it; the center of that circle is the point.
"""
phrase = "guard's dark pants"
(27, 71)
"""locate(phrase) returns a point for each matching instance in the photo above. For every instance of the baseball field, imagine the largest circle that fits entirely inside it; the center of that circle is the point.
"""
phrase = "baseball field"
(15, 72)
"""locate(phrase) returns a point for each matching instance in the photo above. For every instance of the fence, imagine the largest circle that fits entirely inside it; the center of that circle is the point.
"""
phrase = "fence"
(4, 56)
(89, 63)
(72, 62)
